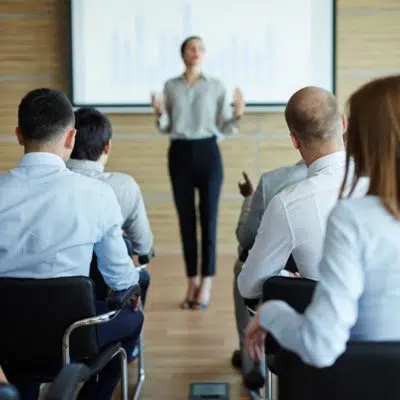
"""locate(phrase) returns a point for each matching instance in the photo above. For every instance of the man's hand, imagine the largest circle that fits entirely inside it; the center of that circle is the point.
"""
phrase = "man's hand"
(157, 103)
(246, 188)
(238, 103)
(255, 339)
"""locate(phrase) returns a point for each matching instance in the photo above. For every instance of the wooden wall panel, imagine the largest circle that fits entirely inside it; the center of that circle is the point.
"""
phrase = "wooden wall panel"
(31, 50)
(34, 51)
(24, 7)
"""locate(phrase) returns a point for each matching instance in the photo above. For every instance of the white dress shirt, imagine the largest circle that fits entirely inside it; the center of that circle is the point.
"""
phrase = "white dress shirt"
(51, 220)
(253, 208)
(294, 223)
(358, 294)
(135, 224)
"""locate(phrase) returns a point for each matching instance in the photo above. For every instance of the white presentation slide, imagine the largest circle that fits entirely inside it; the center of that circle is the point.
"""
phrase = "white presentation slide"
(124, 49)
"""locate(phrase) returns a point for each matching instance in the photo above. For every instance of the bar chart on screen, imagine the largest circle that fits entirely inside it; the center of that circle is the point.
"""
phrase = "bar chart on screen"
(126, 49)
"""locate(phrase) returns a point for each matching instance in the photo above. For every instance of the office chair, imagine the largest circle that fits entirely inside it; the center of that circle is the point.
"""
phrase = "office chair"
(102, 293)
(297, 292)
(65, 386)
(49, 323)
(367, 371)
(252, 304)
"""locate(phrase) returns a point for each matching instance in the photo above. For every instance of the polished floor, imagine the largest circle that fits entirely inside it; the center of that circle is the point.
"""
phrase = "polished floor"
(184, 346)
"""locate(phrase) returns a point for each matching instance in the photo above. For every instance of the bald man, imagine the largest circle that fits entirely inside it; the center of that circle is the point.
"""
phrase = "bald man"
(295, 219)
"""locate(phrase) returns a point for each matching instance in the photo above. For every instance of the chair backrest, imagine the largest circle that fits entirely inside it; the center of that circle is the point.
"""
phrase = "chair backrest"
(34, 316)
(367, 371)
(297, 292)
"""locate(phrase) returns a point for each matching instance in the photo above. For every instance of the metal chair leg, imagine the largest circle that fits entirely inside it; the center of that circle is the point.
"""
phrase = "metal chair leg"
(268, 387)
(124, 374)
(141, 370)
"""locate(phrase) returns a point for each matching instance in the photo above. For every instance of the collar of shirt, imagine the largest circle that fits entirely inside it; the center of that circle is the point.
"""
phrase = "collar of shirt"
(201, 76)
(41, 158)
(326, 161)
(85, 164)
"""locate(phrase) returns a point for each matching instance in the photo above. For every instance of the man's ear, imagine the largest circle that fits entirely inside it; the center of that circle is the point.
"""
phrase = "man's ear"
(18, 134)
(107, 148)
(70, 139)
(295, 140)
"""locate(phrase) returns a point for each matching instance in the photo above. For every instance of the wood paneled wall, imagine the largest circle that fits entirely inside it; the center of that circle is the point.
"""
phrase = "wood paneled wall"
(34, 52)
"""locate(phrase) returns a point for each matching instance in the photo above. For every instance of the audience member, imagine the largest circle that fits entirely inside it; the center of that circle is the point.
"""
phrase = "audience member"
(255, 204)
(295, 219)
(89, 157)
(358, 292)
(253, 208)
(52, 219)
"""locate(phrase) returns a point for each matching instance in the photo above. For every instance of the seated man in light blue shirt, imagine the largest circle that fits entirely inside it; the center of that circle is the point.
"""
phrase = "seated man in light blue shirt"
(52, 219)
(89, 157)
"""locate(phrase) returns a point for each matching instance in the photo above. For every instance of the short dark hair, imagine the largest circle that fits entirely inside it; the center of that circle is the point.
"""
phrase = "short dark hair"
(93, 133)
(44, 114)
(187, 40)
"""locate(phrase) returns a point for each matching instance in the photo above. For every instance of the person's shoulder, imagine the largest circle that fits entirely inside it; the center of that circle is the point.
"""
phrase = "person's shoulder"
(215, 83)
(278, 180)
(357, 217)
(296, 191)
(86, 185)
(120, 179)
(358, 209)
(4, 175)
(285, 172)
(173, 81)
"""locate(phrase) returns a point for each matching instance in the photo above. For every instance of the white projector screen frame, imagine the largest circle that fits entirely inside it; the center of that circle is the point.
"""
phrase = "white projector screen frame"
(86, 77)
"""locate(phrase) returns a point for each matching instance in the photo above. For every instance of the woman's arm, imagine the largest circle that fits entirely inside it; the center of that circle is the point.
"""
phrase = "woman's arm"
(319, 336)
(227, 118)
(162, 109)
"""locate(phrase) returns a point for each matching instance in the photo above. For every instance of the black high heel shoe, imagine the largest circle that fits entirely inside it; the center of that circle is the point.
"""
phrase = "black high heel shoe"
(189, 304)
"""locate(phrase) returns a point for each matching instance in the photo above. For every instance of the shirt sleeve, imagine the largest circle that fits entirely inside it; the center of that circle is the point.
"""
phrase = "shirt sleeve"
(244, 214)
(226, 122)
(246, 230)
(164, 121)
(271, 249)
(137, 225)
(113, 260)
(319, 336)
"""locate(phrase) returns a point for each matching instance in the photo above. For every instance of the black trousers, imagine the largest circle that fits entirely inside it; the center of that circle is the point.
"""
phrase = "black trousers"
(197, 164)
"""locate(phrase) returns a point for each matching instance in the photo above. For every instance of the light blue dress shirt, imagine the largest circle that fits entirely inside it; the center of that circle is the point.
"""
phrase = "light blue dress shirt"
(358, 295)
(51, 219)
